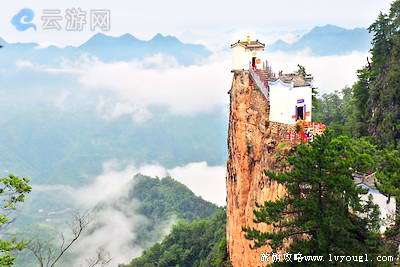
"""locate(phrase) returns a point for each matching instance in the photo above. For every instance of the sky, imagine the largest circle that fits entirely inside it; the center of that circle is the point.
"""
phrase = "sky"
(195, 21)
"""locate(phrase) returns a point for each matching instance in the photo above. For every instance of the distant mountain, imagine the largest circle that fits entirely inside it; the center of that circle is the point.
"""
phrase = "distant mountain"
(328, 40)
(52, 146)
(108, 49)
(58, 140)
(161, 198)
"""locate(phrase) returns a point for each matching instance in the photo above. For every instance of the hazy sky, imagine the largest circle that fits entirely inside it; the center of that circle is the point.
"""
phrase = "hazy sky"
(195, 20)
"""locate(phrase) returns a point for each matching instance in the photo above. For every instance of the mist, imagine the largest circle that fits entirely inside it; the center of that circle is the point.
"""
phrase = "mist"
(113, 214)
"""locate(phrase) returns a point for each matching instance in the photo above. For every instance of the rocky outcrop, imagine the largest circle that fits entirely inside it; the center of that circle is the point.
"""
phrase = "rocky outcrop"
(255, 145)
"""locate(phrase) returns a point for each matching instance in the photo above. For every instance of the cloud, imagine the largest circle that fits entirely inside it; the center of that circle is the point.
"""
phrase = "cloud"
(26, 64)
(115, 220)
(111, 109)
(115, 230)
(107, 187)
(200, 88)
(132, 88)
(158, 81)
(205, 181)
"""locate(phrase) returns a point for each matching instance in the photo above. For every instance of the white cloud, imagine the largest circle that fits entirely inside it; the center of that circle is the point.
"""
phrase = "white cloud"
(26, 64)
(116, 222)
(107, 187)
(111, 109)
(131, 88)
(205, 181)
(140, 85)
(199, 88)
(187, 90)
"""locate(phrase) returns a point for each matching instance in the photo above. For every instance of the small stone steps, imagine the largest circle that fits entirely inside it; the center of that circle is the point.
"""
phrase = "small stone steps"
(263, 75)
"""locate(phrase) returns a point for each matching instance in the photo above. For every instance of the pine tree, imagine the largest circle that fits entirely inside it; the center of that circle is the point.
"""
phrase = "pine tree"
(378, 90)
(322, 212)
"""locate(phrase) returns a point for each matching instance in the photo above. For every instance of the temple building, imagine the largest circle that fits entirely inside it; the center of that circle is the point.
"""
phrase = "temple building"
(289, 95)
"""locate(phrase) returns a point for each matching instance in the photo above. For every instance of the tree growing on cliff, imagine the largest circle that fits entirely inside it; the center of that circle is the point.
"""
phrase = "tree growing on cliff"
(320, 212)
(13, 190)
(377, 92)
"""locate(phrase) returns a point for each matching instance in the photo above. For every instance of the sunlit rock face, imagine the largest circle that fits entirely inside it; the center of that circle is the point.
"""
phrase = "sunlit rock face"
(255, 144)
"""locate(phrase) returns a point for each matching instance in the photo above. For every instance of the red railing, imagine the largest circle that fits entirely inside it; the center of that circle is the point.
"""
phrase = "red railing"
(306, 131)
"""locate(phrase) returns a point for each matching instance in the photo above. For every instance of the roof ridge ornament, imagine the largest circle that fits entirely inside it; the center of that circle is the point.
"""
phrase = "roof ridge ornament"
(248, 39)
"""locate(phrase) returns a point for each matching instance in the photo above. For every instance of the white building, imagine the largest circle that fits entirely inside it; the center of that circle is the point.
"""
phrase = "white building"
(289, 95)
(288, 102)
(245, 53)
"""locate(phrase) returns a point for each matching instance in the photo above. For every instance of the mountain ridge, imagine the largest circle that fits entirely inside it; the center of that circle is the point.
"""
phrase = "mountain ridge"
(108, 49)
(327, 40)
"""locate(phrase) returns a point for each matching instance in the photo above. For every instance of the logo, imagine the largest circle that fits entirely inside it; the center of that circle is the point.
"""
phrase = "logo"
(22, 21)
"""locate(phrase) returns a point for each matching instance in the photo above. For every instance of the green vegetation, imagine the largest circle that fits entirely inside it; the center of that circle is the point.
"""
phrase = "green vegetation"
(161, 198)
(163, 201)
(377, 93)
(315, 213)
(85, 140)
(336, 111)
(319, 212)
(372, 106)
(13, 190)
(198, 243)
(388, 176)
(197, 239)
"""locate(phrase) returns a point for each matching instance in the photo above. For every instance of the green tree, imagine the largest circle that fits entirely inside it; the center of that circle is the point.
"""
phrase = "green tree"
(13, 190)
(377, 92)
(320, 210)
(337, 111)
(388, 178)
(201, 243)
(301, 70)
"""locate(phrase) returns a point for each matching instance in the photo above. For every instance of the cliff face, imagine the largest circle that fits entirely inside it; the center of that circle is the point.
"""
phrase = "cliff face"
(254, 144)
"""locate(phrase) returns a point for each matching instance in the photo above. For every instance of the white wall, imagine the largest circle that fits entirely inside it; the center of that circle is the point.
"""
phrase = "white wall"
(283, 101)
(241, 57)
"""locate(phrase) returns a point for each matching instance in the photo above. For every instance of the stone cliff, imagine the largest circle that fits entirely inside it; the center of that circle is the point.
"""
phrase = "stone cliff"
(254, 145)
